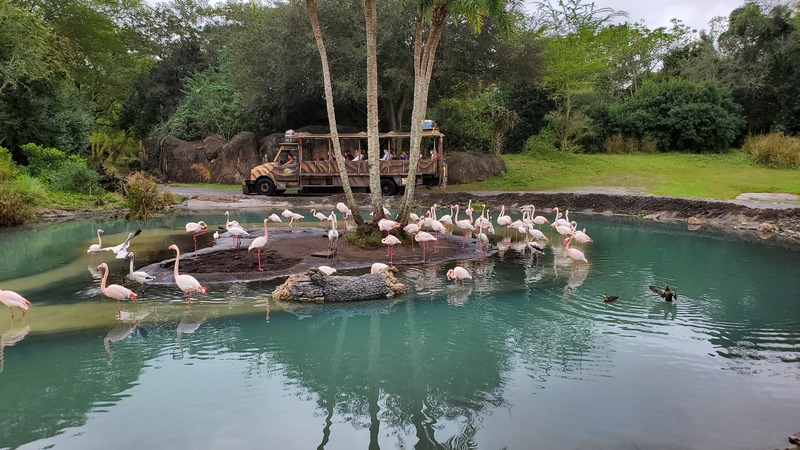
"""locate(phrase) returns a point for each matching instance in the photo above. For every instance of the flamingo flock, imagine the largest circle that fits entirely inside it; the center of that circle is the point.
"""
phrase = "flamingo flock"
(423, 229)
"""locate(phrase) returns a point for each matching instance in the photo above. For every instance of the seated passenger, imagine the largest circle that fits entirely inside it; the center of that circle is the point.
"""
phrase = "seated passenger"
(290, 159)
(387, 154)
(403, 156)
(357, 156)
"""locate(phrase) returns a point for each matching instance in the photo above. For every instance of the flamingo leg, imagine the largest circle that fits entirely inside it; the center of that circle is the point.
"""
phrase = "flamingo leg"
(391, 254)
(259, 261)
(464, 241)
(424, 248)
(194, 237)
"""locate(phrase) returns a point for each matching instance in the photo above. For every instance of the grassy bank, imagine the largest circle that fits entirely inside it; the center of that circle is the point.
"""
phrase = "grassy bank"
(668, 174)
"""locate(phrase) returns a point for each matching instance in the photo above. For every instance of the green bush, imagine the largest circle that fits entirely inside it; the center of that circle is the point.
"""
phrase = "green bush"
(680, 115)
(75, 176)
(143, 196)
(461, 121)
(541, 144)
(43, 160)
(15, 208)
(31, 188)
(8, 170)
(774, 149)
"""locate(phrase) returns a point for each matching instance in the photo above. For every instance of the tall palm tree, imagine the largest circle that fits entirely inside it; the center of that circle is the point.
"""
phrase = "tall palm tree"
(424, 56)
(373, 144)
(326, 78)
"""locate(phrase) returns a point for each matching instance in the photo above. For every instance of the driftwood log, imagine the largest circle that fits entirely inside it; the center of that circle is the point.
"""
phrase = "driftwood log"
(315, 286)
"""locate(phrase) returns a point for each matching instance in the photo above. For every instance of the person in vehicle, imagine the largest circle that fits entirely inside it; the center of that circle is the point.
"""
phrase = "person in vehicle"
(387, 154)
(403, 155)
(357, 156)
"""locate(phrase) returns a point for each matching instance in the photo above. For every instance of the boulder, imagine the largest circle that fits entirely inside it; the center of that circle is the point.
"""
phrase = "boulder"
(470, 167)
(211, 159)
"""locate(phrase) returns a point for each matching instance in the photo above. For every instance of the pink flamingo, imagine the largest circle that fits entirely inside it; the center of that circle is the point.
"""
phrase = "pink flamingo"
(12, 299)
(390, 242)
(574, 254)
(387, 225)
(465, 225)
(114, 290)
(424, 237)
(458, 274)
(582, 238)
(345, 212)
(377, 267)
(504, 220)
(187, 283)
(259, 243)
(275, 219)
(196, 229)
(412, 229)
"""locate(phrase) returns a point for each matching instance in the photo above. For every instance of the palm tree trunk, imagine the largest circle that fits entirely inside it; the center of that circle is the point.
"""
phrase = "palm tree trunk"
(373, 143)
(423, 69)
(326, 78)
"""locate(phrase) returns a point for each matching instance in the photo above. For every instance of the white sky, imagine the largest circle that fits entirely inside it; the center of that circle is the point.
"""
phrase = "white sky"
(657, 13)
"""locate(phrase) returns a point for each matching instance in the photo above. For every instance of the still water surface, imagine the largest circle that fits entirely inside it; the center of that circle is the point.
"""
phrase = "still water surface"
(528, 356)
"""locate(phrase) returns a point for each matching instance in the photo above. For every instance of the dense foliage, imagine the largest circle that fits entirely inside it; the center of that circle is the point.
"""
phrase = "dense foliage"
(92, 86)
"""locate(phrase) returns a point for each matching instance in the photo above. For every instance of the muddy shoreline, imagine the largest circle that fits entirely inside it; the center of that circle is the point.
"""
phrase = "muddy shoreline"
(733, 215)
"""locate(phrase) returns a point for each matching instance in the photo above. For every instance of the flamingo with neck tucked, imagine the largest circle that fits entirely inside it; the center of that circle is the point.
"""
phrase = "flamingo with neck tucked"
(333, 236)
(187, 283)
(390, 241)
(345, 212)
(275, 219)
(196, 229)
(114, 291)
(259, 243)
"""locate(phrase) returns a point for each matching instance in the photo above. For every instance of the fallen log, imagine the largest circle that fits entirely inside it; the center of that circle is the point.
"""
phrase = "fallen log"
(315, 286)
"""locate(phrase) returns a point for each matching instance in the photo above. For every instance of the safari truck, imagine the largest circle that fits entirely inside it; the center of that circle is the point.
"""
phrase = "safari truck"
(304, 161)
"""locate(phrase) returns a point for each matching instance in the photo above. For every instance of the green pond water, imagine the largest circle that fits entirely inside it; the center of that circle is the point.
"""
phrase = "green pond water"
(527, 356)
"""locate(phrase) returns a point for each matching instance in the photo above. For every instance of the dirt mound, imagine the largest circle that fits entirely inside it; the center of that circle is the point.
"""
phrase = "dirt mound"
(227, 262)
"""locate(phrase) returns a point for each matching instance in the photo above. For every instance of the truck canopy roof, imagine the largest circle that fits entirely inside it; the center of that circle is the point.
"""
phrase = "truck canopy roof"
(363, 135)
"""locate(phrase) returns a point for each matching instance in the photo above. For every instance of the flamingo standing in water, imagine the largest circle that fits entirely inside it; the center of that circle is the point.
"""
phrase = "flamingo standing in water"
(187, 283)
(196, 229)
(94, 248)
(259, 243)
(275, 219)
(114, 291)
(14, 300)
(574, 254)
(458, 274)
(504, 220)
(138, 276)
(390, 241)
(424, 237)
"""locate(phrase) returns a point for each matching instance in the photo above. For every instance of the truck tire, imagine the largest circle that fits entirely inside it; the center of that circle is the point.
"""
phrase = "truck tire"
(388, 187)
(265, 186)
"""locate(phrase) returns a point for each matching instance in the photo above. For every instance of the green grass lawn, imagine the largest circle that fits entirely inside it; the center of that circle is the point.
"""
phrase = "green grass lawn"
(668, 174)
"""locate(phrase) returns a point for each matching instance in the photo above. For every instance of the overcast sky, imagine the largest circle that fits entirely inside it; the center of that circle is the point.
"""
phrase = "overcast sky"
(657, 13)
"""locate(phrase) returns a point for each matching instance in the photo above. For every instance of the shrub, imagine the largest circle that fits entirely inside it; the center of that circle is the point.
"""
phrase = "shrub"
(621, 145)
(774, 149)
(681, 115)
(43, 160)
(143, 196)
(8, 170)
(14, 207)
(74, 175)
(30, 188)
(541, 144)
(202, 170)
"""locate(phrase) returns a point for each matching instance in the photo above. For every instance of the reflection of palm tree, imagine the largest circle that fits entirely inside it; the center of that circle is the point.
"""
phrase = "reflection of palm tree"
(11, 337)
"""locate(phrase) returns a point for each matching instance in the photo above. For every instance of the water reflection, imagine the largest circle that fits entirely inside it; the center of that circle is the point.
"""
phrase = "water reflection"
(415, 371)
(9, 338)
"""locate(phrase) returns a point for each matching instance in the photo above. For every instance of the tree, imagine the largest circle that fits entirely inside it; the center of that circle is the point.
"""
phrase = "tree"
(26, 54)
(373, 143)
(424, 57)
(326, 77)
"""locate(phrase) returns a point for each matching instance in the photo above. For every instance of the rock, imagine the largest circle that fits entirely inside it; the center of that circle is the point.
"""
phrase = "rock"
(795, 438)
(694, 221)
(654, 216)
(470, 167)
(765, 228)
(315, 286)
(222, 162)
